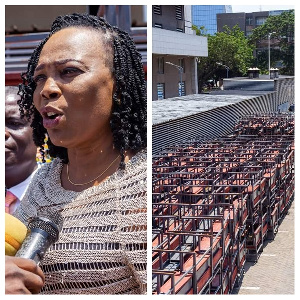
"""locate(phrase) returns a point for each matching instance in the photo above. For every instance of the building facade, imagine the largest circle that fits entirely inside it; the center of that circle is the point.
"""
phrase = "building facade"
(247, 23)
(206, 15)
(175, 49)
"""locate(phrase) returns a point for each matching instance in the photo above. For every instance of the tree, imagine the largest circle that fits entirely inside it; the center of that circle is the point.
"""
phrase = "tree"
(230, 48)
(284, 26)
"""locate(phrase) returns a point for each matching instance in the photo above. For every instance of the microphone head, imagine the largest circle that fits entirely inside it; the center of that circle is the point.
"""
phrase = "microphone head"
(15, 233)
(48, 220)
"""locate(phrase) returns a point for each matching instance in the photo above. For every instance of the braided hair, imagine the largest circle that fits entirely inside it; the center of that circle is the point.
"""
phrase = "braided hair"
(129, 113)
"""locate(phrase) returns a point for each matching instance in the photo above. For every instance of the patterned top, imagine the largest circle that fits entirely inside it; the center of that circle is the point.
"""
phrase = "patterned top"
(102, 245)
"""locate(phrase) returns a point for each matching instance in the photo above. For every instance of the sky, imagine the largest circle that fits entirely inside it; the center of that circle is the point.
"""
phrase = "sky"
(253, 8)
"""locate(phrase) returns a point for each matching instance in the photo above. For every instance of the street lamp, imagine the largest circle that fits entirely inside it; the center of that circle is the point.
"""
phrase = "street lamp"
(180, 71)
(227, 68)
(269, 37)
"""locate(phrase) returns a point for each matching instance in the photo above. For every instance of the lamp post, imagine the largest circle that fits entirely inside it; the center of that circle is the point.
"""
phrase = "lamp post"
(227, 68)
(269, 38)
(180, 71)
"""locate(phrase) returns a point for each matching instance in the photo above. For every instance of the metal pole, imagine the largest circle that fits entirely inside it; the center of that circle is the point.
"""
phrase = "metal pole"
(226, 67)
(269, 54)
(269, 40)
(180, 70)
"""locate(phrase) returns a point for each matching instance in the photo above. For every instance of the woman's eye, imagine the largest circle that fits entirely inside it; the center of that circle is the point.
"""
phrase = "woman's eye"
(70, 71)
(38, 78)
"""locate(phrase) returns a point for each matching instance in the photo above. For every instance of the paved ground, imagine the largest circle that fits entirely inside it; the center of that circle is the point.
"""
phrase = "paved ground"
(273, 273)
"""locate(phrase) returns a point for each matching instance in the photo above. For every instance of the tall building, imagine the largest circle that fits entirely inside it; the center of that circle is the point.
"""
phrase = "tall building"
(247, 22)
(206, 15)
(175, 49)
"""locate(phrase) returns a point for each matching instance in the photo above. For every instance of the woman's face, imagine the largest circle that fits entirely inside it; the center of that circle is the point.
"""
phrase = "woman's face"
(74, 87)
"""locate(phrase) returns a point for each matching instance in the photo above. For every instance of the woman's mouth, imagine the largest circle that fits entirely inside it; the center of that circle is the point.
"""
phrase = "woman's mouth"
(51, 120)
(51, 117)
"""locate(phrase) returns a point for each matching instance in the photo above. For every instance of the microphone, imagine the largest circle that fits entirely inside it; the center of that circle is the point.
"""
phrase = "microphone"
(43, 232)
(15, 233)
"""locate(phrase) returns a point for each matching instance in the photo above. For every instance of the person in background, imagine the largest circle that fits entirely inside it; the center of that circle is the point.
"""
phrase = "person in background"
(85, 88)
(20, 151)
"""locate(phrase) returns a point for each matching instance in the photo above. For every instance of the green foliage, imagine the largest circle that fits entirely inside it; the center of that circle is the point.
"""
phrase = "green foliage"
(283, 39)
(200, 30)
(230, 48)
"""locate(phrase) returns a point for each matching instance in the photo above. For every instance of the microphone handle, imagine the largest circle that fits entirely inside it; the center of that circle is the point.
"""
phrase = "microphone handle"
(35, 245)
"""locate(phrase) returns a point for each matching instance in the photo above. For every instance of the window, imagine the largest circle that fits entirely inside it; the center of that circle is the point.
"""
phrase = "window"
(181, 64)
(160, 91)
(160, 69)
(275, 12)
(157, 9)
(179, 29)
(183, 88)
(157, 25)
(249, 21)
(260, 20)
(179, 12)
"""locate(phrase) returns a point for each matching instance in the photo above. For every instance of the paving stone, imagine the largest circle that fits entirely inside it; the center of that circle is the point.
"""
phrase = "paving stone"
(274, 272)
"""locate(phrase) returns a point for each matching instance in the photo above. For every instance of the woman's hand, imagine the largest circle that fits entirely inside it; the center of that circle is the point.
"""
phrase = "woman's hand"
(22, 276)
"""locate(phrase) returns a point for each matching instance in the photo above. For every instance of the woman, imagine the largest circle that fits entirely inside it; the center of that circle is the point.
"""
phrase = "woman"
(85, 88)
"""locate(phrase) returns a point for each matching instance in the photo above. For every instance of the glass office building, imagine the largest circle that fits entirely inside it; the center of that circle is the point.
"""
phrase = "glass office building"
(206, 15)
